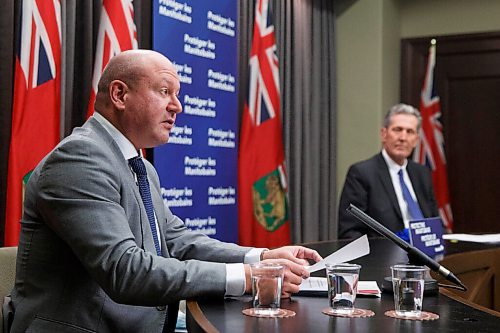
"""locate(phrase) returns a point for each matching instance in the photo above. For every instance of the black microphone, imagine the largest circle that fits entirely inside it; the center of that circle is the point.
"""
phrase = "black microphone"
(416, 256)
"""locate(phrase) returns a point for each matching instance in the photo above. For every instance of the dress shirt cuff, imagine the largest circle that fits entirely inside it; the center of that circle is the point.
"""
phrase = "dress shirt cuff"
(235, 279)
(235, 273)
(253, 255)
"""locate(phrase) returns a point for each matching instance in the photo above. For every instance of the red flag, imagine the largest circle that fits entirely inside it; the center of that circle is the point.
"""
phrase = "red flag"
(263, 203)
(430, 148)
(36, 102)
(117, 33)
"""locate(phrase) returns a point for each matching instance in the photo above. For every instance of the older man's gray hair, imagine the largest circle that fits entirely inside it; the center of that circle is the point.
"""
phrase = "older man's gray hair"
(402, 109)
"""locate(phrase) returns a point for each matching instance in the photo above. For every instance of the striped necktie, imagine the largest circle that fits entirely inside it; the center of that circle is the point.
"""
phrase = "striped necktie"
(139, 168)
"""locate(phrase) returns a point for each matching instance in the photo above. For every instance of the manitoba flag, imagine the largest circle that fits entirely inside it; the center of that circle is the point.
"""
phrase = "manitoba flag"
(430, 148)
(263, 204)
(117, 33)
(36, 101)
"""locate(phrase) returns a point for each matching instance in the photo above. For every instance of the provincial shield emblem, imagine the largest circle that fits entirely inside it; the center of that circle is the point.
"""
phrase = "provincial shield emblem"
(270, 205)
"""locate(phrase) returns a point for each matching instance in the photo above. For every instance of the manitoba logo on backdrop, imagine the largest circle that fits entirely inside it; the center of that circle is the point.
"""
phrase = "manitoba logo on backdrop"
(200, 38)
(270, 205)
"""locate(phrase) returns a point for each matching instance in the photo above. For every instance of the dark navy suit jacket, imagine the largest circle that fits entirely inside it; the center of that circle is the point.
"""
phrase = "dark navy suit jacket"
(368, 186)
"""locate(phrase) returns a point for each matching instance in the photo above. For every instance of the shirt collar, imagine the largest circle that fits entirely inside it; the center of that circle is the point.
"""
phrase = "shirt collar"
(126, 147)
(393, 166)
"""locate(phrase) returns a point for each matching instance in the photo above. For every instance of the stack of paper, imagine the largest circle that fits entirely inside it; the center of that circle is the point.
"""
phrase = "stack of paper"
(369, 288)
(318, 286)
(487, 238)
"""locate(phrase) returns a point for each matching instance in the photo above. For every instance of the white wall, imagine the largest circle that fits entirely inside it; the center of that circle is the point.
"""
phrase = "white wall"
(359, 67)
(368, 35)
(448, 17)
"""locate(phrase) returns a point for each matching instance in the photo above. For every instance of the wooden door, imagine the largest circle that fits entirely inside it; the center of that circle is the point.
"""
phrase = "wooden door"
(467, 79)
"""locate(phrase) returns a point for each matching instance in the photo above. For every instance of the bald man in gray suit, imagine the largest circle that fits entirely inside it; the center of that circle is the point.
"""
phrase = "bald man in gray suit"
(87, 260)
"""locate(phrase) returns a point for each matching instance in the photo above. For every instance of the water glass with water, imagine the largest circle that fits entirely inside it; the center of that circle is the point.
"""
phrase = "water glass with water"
(342, 286)
(408, 284)
(267, 281)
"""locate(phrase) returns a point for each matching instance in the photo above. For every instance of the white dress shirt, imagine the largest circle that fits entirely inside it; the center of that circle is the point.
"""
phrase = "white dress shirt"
(393, 171)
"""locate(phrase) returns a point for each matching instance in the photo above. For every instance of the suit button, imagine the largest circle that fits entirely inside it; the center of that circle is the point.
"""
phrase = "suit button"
(161, 307)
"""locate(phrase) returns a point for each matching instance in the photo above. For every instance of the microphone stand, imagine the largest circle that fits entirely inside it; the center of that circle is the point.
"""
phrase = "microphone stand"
(415, 256)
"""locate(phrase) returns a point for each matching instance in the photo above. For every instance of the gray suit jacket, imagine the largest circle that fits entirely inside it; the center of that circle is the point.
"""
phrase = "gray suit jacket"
(368, 185)
(85, 259)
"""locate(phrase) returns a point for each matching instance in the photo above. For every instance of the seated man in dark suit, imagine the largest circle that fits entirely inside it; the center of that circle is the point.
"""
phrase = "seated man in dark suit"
(375, 185)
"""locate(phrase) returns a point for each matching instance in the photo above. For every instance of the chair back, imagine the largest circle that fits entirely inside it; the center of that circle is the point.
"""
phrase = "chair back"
(7, 275)
(480, 272)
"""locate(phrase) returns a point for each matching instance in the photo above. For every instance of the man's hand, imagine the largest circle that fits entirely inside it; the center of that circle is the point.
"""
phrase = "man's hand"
(297, 254)
(293, 275)
(294, 258)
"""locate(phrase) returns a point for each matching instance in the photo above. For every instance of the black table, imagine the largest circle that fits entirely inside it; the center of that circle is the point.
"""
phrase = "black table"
(224, 315)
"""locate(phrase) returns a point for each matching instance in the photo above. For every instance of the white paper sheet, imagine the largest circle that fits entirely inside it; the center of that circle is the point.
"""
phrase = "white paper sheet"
(488, 238)
(355, 249)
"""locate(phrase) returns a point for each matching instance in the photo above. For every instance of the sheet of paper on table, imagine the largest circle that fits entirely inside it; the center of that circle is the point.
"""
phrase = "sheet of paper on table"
(319, 286)
(355, 249)
(487, 238)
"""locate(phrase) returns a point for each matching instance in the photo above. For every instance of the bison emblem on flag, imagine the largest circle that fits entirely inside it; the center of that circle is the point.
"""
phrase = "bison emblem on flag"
(269, 201)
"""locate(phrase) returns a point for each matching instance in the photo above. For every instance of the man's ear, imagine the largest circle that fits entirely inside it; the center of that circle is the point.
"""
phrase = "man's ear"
(117, 91)
(383, 133)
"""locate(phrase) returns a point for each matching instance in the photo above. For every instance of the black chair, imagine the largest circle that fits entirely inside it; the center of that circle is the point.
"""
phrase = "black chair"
(7, 275)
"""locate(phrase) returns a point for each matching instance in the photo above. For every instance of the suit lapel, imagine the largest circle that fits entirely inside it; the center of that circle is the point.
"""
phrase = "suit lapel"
(146, 242)
(160, 216)
(385, 179)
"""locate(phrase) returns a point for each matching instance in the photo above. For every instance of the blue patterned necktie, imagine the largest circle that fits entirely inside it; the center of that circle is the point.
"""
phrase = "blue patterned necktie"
(139, 168)
(413, 207)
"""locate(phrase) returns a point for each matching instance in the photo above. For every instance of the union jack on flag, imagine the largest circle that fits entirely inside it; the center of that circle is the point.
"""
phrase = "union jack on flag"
(117, 33)
(430, 148)
(264, 91)
(39, 58)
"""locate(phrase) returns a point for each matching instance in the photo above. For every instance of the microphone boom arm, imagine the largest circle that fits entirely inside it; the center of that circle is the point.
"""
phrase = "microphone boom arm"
(416, 256)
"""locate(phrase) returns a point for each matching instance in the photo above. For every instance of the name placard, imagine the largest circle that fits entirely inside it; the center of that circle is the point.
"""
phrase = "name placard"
(427, 236)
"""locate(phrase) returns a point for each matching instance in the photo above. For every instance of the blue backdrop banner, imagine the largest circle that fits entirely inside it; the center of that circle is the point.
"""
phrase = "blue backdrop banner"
(198, 167)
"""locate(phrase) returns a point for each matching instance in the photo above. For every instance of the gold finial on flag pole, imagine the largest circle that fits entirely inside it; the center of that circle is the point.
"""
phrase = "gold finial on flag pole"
(433, 41)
